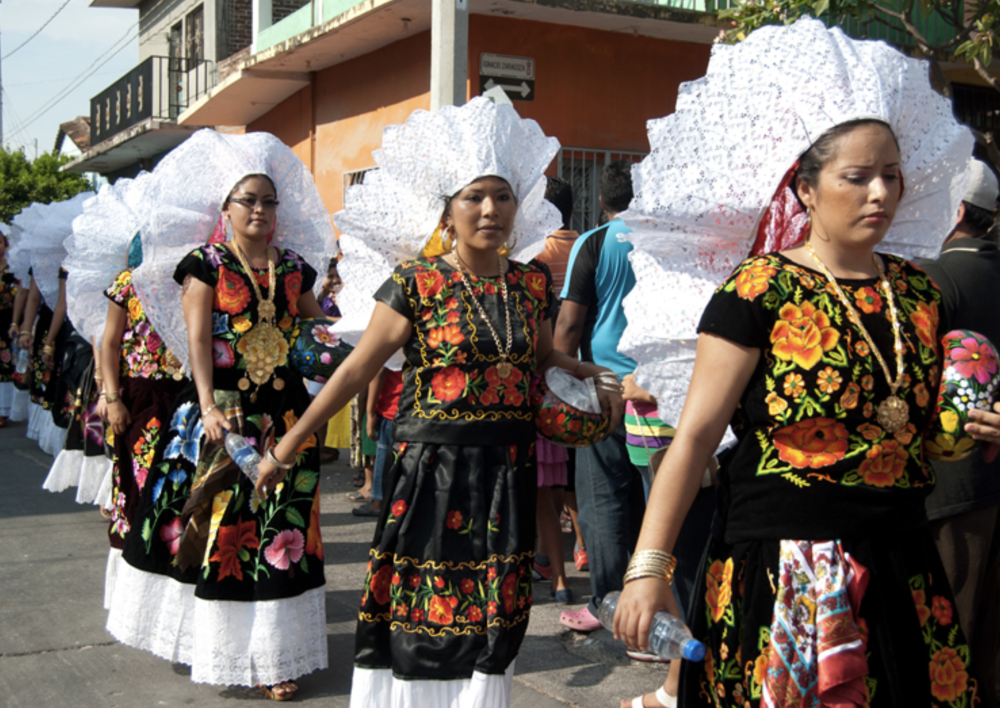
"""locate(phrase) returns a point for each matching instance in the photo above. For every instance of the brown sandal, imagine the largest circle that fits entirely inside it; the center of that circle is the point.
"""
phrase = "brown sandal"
(283, 691)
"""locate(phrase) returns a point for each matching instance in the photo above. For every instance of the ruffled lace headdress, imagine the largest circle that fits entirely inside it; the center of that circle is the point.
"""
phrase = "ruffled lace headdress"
(98, 249)
(48, 249)
(390, 218)
(192, 182)
(716, 185)
(19, 241)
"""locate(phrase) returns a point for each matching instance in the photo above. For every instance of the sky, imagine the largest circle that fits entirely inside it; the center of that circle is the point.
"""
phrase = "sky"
(49, 66)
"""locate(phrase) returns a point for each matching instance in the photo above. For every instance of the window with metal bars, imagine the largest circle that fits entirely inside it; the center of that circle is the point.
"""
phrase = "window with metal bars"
(582, 167)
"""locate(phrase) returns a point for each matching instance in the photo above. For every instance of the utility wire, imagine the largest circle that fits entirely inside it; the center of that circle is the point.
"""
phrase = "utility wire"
(86, 74)
(39, 30)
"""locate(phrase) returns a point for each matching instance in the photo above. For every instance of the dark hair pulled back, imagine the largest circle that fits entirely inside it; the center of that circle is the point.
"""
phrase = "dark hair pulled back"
(247, 178)
(825, 148)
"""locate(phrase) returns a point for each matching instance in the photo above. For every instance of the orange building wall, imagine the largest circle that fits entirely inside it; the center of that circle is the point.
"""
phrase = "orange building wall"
(292, 122)
(593, 89)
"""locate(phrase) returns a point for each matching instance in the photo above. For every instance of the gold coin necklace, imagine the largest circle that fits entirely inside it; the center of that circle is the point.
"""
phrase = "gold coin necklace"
(504, 367)
(261, 343)
(893, 412)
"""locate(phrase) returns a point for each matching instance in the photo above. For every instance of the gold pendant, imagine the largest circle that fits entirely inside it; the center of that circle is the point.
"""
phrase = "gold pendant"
(262, 345)
(244, 384)
(278, 384)
(266, 310)
(503, 369)
(893, 414)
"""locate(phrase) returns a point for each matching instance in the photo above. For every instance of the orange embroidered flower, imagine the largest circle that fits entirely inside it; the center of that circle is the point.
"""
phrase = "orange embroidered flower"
(869, 431)
(760, 666)
(753, 281)
(719, 590)
(829, 380)
(536, 285)
(925, 319)
(868, 410)
(231, 292)
(293, 288)
(883, 464)
(232, 540)
(429, 284)
(448, 384)
(923, 397)
(450, 334)
(794, 386)
(941, 609)
(802, 334)
(776, 405)
(508, 589)
(849, 399)
(474, 614)
(314, 538)
(862, 348)
(905, 436)
(949, 679)
(868, 300)
(814, 442)
(867, 382)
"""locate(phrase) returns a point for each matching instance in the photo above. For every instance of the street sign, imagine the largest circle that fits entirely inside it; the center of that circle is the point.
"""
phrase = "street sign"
(515, 75)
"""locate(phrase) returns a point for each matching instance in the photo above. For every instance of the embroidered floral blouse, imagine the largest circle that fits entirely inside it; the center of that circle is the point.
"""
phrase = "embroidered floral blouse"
(452, 392)
(143, 354)
(812, 461)
(234, 311)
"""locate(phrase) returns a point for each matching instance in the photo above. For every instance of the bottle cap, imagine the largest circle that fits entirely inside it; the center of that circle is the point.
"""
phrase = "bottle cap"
(693, 650)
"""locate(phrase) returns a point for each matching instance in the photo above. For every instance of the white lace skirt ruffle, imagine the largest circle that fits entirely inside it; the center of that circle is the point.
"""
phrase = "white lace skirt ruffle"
(19, 406)
(152, 612)
(107, 489)
(35, 413)
(51, 437)
(225, 642)
(378, 687)
(65, 471)
(93, 471)
(111, 574)
(6, 398)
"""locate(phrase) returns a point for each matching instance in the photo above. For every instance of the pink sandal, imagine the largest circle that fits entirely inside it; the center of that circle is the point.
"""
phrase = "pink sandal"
(580, 620)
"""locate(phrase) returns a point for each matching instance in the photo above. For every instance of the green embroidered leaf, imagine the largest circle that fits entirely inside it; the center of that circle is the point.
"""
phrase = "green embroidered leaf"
(305, 482)
(255, 420)
(244, 555)
(304, 564)
(795, 479)
(294, 517)
(147, 530)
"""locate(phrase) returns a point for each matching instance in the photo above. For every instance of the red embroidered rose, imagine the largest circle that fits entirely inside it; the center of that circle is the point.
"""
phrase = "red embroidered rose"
(884, 464)
(474, 614)
(381, 583)
(949, 679)
(454, 521)
(232, 539)
(448, 384)
(231, 292)
(450, 334)
(536, 285)
(925, 319)
(814, 442)
(429, 284)
(293, 288)
(508, 589)
(399, 508)
(440, 611)
(439, 582)
(467, 585)
(941, 610)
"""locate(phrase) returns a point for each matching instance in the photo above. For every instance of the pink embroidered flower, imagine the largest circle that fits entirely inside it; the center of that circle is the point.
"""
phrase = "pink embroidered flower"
(285, 549)
(153, 342)
(974, 359)
(171, 535)
(140, 474)
(222, 354)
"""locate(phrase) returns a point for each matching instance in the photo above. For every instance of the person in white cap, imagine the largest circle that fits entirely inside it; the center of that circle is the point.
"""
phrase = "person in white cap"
(964, 509)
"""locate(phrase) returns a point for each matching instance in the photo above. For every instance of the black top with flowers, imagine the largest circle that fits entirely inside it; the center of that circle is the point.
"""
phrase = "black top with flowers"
(812, 461)
(234, 310)
(143, 354)
(452, 393)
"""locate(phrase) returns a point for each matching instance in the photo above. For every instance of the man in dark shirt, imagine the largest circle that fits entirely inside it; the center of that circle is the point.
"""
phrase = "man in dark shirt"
(964, 508)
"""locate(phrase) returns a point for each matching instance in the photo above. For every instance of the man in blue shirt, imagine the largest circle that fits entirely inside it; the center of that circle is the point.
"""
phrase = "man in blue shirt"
(609, 488)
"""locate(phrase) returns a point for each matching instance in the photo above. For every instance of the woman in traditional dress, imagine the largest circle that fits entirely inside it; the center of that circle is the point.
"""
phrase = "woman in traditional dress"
(8, 292)
(448, 589)
(244, 575)
(822, 584)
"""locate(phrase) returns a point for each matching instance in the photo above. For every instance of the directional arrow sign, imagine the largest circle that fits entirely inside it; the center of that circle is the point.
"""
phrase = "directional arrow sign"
(517, 90)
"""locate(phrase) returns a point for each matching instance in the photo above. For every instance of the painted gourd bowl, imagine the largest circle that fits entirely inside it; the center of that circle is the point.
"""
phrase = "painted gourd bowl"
(970, 379)
(316, 351)
(567, 411)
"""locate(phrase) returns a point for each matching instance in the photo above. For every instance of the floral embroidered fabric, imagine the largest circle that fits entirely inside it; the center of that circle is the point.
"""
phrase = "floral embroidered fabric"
(8, 289)
(451, 371)
(813, 467)
(143, 355)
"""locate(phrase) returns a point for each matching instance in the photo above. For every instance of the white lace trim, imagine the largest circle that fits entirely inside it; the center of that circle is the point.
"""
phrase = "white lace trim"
(51, 437)
(713, 169)
(152, 612)
(378, 687)
(35, 413)
(93, 471)
(226, 643)
(19, 406)
(111, 574)
(65, 471)
(106, 491)
(6, 398)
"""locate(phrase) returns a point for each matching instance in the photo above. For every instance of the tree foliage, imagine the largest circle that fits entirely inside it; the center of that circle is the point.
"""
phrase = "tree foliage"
(23, 181)
(939, 30)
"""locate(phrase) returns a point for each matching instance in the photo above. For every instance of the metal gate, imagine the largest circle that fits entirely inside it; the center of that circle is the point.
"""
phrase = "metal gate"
(582, 167)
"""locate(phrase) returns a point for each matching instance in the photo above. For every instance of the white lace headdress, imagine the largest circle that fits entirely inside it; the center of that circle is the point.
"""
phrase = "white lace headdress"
(391, 216)
(192, 182)
(98, 249)
(48, 244)
(717, 161)
(19, 241)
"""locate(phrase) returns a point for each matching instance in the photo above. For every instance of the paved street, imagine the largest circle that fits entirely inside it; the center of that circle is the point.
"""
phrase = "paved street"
(54, 650)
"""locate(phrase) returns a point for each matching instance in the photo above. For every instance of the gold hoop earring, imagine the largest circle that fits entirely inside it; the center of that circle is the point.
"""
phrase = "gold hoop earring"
(447, 241)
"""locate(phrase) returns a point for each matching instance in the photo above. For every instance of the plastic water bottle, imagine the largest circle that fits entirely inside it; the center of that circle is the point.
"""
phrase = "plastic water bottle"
(669, 637)
(22, 361)
(243, 454)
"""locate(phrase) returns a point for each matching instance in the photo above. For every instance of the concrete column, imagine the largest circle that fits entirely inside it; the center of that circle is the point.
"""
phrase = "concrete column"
(449, 52)
(262, 19)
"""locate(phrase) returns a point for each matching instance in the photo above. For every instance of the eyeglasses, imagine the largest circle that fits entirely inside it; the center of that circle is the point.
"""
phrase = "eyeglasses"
(252, 203)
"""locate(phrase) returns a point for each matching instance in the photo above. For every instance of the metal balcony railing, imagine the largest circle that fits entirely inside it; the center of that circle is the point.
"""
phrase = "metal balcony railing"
(160, 88)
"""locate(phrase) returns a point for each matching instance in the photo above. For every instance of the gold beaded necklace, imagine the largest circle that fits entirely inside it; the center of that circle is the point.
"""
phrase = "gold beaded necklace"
(893, 412)
(504, 367)
(262, 341)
